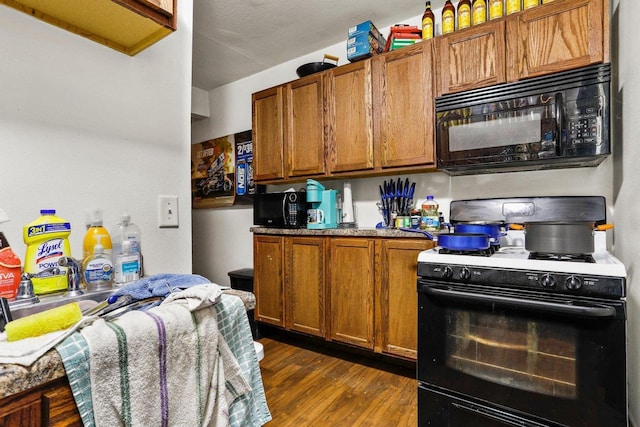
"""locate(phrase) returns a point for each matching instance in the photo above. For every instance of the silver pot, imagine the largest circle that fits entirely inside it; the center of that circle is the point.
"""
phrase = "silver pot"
(565, 238)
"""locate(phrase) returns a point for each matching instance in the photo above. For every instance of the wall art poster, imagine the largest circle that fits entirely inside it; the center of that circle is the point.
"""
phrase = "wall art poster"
(222, 171)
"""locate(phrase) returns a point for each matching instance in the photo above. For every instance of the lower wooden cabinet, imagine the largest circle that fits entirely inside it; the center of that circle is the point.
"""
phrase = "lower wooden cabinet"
(268, 281)
(351, 284)
(355, 290)
(305, 285)
(397, 297)
(51, 404)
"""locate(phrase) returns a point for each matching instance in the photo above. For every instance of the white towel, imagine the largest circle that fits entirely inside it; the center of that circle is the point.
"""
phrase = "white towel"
(167, 366)
(26, 351)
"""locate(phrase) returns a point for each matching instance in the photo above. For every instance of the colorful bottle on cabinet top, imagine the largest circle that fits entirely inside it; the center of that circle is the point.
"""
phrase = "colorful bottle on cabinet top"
(47, 239)
(448, 18)
(464, 14)
(479, 11)
(95, 234)
(428, 22)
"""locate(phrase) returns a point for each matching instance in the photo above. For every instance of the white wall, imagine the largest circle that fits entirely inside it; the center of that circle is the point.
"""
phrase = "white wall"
(626, 180)
(83, 126)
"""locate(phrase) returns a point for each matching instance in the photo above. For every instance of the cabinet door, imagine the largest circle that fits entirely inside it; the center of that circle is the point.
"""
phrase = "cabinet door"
(471, 58)
(349, 120)
(23, 411)
(60, 407)
(351, 289)
(268, 281)
(304, 125)
(403, 117)
(268, 137)
(559, 36)
(304, 300)
(397, 296)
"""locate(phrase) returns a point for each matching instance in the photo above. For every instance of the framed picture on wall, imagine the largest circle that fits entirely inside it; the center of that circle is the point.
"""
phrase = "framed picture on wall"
(222, 171)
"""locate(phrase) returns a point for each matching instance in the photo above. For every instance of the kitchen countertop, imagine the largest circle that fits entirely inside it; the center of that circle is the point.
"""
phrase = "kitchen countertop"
(344, 232)
(17, 378)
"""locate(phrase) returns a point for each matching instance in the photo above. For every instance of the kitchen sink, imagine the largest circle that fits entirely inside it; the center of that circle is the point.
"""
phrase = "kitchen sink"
(87, 300)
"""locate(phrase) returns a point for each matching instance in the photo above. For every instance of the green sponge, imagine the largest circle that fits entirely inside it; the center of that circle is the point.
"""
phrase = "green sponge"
(44, 322)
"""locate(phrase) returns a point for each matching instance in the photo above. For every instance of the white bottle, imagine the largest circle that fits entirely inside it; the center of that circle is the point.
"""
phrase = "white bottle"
(97, 269)
(126, 230)
(127, 264)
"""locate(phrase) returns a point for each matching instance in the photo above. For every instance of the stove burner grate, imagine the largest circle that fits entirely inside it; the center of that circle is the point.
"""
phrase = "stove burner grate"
(474, 252)
(588, 258)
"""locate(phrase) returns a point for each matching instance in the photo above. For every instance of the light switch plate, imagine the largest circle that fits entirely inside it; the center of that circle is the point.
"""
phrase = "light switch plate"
(168, 212)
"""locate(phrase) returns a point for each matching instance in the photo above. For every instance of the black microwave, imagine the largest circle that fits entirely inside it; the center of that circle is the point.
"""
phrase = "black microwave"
(280, 210)
(555, 121)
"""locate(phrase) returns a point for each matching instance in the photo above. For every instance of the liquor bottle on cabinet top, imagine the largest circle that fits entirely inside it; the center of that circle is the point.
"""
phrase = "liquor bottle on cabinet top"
(448, 18)
(513, 6)
(464, 14)
(528, 4)
(427, 22)
(496, 9)
(479, 11)
(546, 1)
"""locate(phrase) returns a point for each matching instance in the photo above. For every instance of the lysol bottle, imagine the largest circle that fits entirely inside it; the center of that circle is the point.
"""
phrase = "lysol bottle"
(47, 239)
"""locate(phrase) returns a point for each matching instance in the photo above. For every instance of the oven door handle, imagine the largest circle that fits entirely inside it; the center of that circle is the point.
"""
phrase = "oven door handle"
(593, 310)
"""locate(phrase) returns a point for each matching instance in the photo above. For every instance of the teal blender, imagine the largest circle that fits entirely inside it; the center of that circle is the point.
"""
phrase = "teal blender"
(323, 212)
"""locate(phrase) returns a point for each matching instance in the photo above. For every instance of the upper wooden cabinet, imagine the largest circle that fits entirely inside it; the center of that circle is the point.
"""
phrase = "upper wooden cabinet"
(304, 125)
(471, 58)
(555, 37)
(268, 134)
(128, 26)
(559, 36)
(349, 117)
(404, 113)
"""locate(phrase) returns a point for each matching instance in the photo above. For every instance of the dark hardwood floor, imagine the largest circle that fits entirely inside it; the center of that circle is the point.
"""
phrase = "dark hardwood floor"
(309, 385)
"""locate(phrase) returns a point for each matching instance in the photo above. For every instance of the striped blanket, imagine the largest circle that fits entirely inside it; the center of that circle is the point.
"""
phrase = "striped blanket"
(182, 363)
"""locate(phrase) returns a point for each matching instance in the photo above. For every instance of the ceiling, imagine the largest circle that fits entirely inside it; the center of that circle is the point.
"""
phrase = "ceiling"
(238, 38)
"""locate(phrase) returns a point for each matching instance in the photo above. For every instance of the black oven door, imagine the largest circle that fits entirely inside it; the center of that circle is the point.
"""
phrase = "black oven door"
(555, 361)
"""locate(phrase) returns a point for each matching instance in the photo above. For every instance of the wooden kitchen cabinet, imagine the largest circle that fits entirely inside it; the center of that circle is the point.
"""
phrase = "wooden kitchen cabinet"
(269, 270)
(51, 404)
(351, 285)
(305, 285)
(128, 26)
(471, 58)
(403, 95)
(556, 37)
(397, 297)
(349, 117)
(304, 126)
(268, 134)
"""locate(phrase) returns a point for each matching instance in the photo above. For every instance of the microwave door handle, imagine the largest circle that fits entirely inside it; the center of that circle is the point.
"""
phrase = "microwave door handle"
(584, 311)
(560, 148)
(285, 214)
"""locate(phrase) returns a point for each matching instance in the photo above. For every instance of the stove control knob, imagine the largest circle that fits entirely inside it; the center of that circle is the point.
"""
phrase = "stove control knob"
(574, 283)
(548, 281)
(447, 272)
(465, 273)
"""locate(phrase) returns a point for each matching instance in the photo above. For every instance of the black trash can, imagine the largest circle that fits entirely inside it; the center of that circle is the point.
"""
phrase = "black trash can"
(243, 280)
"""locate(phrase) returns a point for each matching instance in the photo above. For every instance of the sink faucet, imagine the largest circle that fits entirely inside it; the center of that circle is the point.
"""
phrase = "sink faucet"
(73, 276)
